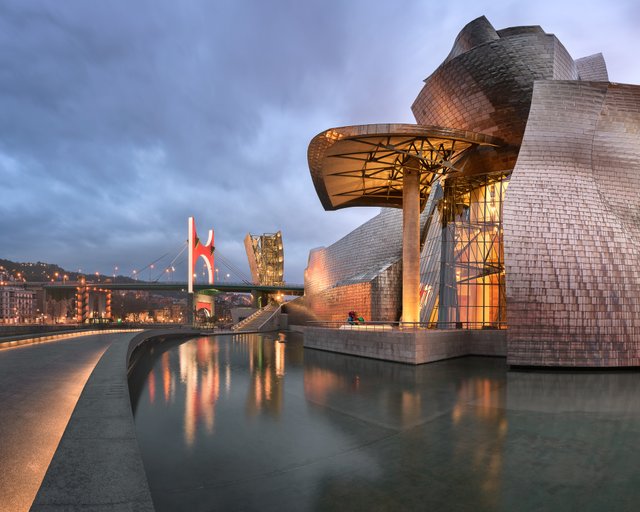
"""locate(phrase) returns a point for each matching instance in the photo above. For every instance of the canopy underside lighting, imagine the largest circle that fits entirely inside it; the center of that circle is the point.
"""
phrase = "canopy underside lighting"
(365, 165)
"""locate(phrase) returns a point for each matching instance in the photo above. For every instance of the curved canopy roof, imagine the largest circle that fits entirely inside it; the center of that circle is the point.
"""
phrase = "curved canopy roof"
(364, 165)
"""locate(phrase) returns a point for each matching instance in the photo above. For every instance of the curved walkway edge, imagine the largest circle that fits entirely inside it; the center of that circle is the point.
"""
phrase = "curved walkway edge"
(98, 465)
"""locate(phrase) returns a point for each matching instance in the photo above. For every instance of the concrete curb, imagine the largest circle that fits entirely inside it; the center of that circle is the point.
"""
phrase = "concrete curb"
(98, 465)
(31, 339)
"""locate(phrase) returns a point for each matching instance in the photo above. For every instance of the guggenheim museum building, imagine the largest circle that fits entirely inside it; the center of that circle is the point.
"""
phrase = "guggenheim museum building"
(512, 205)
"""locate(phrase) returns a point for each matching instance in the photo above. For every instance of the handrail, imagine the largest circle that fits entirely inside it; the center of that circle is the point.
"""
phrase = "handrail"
(276, 311)
(269, 308)
(385, 326)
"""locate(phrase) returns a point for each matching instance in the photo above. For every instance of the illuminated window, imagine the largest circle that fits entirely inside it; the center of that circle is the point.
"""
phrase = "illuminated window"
(462, 263)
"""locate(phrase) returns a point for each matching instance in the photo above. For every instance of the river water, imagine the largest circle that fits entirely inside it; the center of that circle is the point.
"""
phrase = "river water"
(256, 422)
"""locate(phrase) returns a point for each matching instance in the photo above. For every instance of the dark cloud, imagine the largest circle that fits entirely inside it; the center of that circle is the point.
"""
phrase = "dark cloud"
(121, 119)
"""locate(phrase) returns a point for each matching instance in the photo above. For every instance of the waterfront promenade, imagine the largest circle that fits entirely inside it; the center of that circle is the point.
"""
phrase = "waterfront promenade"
(39, 388)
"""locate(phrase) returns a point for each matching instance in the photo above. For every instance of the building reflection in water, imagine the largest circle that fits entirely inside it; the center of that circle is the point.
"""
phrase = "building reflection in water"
(480, 403)
(203, 367)
(414, 396)
(152, 387)
(266, 369)
(363, 433)
(200, 374)
(353, 385)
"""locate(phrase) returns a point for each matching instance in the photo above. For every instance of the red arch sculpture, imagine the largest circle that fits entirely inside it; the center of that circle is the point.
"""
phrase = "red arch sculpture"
(199, 250)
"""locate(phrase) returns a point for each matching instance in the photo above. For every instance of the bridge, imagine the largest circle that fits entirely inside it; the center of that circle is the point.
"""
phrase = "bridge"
(93, 294)
(95, 297)
(176, 286)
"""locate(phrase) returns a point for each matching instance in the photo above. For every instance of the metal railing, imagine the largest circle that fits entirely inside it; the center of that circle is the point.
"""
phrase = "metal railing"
(270, 310)
(406, 326)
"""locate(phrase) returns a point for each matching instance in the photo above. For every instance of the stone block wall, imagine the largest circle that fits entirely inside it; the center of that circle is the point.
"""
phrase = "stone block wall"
(411, 347)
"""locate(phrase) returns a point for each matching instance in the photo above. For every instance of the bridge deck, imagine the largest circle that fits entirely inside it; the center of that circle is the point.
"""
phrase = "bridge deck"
(286, 289)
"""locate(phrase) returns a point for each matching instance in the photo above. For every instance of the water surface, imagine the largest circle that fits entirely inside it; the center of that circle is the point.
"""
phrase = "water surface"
(249, 422)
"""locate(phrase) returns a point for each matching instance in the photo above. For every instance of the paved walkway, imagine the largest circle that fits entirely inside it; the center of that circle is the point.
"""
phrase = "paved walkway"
(39, 387)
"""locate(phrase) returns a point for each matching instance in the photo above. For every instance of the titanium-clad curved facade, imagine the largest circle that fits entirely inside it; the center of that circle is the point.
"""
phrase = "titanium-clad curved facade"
(572, 228)
(487, 87)
(539, 233)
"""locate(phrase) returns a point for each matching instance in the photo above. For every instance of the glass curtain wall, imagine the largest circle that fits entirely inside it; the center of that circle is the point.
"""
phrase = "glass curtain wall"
(470, 282)
(430, 256)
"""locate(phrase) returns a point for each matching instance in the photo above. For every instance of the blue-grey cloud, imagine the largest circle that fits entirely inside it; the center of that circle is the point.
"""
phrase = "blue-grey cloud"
(121, 119)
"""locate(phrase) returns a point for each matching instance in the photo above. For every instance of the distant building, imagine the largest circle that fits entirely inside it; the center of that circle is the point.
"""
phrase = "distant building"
(17, 305)
(266, 258)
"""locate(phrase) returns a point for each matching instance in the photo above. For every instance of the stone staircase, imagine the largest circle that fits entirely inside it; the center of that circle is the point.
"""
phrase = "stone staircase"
(259, 321)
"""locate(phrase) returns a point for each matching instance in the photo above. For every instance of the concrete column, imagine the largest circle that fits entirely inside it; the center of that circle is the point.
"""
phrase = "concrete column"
(260, 299)
(190, 306)
(411, 242)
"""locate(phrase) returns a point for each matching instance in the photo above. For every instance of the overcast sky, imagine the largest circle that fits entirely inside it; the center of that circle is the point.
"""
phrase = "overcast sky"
(120, 119)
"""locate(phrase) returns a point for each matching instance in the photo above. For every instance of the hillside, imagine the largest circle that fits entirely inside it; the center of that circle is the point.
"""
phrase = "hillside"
(39, 271)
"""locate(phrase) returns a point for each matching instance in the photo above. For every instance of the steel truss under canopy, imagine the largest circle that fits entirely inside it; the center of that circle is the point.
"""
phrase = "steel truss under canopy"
(365, 165)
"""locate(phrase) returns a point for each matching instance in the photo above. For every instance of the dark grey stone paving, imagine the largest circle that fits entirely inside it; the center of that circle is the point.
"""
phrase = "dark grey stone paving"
(97, 465)
(39, 387)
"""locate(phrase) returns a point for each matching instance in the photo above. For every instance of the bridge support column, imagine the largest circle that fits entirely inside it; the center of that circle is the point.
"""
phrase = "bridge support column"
(190, 311)
(203, 302)
(108, 312)
(43, 307)
(260, 299)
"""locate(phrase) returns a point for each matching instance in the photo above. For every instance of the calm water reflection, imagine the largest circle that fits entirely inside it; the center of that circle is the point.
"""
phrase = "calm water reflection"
(252, 422)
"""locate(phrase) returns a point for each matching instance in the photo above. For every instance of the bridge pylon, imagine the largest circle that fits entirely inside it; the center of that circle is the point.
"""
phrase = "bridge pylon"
(205, 251)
